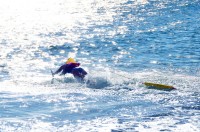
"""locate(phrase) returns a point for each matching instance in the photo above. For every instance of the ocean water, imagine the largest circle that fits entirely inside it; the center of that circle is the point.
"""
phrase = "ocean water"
(121, 44)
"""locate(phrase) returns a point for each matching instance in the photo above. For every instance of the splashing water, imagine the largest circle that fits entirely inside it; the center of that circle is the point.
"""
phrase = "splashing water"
(121, 44)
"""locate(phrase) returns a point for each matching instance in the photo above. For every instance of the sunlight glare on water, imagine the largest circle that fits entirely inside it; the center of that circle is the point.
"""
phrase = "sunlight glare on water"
(121, 44)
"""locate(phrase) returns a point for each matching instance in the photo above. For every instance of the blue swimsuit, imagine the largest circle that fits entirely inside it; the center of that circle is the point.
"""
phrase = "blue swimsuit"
(71, 68)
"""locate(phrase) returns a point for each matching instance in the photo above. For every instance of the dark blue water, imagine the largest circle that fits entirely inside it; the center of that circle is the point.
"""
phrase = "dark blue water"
(121, 44)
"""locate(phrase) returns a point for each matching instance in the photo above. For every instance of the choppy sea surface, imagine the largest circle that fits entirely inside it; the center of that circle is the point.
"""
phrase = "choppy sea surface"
(121, 44)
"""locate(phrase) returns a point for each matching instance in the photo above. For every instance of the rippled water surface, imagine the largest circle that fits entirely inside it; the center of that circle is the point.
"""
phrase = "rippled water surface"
(121, 44)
